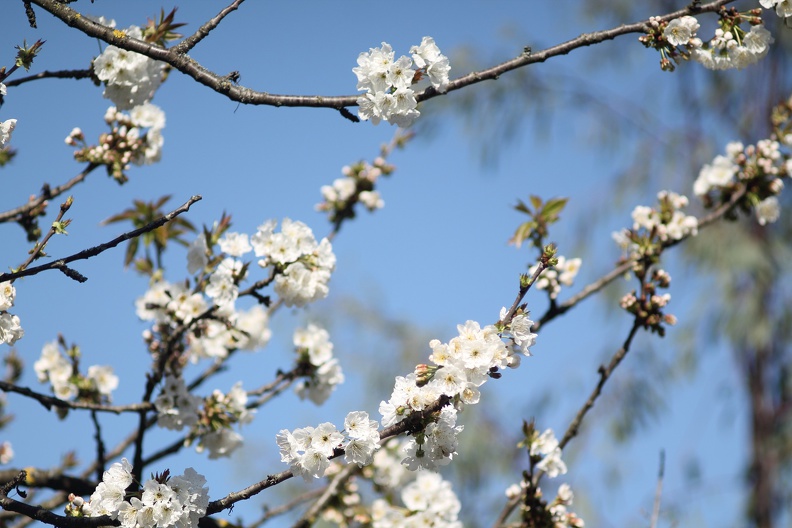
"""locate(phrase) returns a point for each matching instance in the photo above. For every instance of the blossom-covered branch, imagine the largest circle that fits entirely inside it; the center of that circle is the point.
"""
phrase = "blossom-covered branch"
(176, 57)
(620, 269)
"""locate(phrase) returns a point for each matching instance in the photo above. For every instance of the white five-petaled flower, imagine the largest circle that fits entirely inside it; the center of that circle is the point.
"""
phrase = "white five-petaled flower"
(680, 30)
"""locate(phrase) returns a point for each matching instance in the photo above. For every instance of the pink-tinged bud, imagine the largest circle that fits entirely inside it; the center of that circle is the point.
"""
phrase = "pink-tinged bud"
(670, 319)
(424, 374)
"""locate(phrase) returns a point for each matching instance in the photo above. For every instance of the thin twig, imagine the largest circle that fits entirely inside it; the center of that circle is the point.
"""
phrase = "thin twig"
(48, 193)
(574, 426)
(38, 249)
(605, 374)
(50, 401)
(60, 74)
(100, 447)
(189, 43)
(96, 250)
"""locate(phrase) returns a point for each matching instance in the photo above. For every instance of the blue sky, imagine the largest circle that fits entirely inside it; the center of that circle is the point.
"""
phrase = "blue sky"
(436, 255)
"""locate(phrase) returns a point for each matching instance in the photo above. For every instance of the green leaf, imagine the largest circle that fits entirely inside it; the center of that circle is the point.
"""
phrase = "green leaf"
(553, 207)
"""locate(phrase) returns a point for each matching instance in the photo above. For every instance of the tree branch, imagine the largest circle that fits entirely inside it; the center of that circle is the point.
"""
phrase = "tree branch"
(50, 401)
(223, 85)
(46, 516)
(60, 74)
(624, 267)
(574, 426)
(96, 250)
(189, 43)
(47, 193)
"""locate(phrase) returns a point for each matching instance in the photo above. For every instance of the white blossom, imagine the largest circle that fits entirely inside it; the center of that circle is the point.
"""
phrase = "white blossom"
(680, 30)
(130, 78)
(768, 210)
(6, 127)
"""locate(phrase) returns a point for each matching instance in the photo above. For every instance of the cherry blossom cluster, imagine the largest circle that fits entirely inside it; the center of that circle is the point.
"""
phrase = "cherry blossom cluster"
(654, 226)
(551, 279)
(783, 8)
(220, 412)
(545, 453)
(648, 305)
(171, 305)
(162, 501)
(388, 83)
(64, 375)
(461, 366)
(562, 517)
(308, 450)
(130, 78)
(316, 362)
(667, 221)
(134, 137)
(428, 501)
(357, 186)
(10, 328)
(209, 420)
(302, 266)
(557, 509)
(761, 168)
(176, 407)
(731, 47)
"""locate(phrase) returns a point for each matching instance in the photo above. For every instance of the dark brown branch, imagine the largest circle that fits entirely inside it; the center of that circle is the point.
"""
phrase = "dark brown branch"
(38, 250)
(574, 426)
(46, 516)
(604, 374)
(60, 74)
(96, 250)
(101, 461)
(50, 401)
(51, 479)
(241, 94)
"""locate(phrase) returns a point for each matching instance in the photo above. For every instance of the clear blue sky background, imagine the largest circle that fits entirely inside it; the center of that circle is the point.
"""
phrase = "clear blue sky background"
(436, 255)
